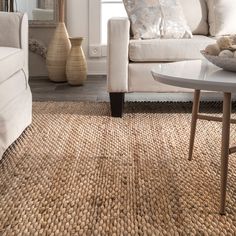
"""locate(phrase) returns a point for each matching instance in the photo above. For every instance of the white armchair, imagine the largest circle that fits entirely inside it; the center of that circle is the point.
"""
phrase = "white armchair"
(15, 94)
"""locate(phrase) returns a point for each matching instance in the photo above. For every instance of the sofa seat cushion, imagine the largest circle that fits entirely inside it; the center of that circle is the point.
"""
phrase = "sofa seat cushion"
(11, 61)
(161, 50)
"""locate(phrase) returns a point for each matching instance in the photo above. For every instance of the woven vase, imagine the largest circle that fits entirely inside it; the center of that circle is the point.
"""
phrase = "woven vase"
(76, 67)
(58, 49)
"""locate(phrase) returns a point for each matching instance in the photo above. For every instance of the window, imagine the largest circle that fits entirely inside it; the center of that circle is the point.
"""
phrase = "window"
(100, 11)
(109, 9)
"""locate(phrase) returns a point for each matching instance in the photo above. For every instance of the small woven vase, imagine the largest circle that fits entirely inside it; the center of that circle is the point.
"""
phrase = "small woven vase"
(76, 67)
(58, 49)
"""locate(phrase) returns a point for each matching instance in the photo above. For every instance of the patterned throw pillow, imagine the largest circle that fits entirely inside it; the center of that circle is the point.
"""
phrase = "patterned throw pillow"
(145, 17)
(174, 24)
(157, 19)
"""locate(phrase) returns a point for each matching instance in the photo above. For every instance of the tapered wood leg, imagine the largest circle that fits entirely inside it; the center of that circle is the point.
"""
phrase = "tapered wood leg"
(117, 104)
(195, 110)
(225, 149)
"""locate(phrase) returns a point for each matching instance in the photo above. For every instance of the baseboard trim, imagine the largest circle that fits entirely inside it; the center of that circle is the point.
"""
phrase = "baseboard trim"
(97, 67)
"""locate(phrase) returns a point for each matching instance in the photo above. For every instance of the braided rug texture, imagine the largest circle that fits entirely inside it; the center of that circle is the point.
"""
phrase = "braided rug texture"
(78, 171)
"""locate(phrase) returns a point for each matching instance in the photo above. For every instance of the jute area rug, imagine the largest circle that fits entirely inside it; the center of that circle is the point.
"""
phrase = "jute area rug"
(77, 171)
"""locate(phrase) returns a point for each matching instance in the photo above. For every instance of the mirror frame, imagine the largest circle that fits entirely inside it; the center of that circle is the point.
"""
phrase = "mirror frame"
(46, 23)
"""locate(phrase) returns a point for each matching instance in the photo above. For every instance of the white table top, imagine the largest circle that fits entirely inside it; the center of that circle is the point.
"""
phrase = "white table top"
(196, 74)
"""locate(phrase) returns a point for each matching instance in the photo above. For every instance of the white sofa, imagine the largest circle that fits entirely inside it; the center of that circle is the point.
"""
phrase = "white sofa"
(130, 61)
(15, 94)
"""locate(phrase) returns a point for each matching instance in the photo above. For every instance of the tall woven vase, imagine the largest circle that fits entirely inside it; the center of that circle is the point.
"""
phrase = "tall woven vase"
(58, 49)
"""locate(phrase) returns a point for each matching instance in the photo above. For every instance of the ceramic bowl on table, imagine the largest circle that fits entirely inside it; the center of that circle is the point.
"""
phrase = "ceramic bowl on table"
(226, 63)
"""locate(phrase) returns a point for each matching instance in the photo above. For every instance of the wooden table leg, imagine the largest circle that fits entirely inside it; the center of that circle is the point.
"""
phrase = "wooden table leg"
(225, 149)
(195, 110)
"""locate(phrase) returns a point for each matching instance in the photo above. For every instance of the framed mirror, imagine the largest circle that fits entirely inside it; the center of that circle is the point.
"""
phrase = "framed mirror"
(41, 13)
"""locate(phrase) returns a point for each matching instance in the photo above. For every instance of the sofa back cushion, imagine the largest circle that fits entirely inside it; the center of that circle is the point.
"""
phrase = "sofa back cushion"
(10, 24)
(196, 14)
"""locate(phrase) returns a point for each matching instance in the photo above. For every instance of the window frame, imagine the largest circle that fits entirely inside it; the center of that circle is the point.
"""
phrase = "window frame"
(95, 47)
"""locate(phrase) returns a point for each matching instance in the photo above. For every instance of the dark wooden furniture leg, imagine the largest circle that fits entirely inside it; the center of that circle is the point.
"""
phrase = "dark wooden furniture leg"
(117, 104)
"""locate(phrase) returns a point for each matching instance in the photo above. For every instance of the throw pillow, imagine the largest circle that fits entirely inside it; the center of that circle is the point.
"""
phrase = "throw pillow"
(222, 17)
(196, 14)
(157, 19)
(145, 18)
(173, 24)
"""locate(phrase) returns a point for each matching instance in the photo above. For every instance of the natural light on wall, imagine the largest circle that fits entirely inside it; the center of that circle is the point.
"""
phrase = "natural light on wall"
(109, 9)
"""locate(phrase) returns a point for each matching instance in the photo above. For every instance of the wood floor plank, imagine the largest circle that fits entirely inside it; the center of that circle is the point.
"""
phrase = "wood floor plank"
(95, 89)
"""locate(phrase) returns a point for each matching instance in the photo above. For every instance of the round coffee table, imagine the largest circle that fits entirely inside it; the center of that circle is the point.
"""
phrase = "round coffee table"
(202, 75)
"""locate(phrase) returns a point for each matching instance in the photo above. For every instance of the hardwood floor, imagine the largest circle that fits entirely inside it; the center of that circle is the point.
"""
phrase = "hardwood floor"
(95, 90)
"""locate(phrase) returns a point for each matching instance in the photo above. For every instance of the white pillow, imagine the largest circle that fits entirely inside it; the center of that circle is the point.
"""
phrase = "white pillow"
(198, 22)
(174, 24)
(222, 17)
(157, 19)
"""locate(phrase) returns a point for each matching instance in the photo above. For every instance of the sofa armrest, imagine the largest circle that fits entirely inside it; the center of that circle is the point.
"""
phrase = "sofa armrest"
(24, 39)
(118, 58)
(14, 33)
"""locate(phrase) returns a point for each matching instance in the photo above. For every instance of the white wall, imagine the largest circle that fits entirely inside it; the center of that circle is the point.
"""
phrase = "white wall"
(77, 18)
(78, 25)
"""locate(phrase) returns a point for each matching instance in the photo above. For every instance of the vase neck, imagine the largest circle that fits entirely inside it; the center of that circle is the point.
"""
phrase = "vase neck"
(76, 41)
(61, 4)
